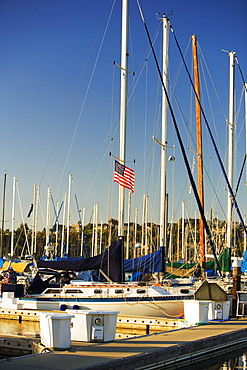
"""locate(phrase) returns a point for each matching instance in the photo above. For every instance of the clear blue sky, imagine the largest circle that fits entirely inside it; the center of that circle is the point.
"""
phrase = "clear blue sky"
(59, 101)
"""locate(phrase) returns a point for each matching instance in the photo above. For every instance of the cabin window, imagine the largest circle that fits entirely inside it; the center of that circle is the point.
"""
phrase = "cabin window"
(119, 291)
(73, 291)
(140, 291)
(52, 291)
(97, 291)
(184, 291)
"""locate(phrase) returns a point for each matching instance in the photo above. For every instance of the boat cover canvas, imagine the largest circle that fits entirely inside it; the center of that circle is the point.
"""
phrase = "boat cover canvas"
(178, 269)
(153, 262)
(243, 265)
(17, 266)
(110, 262)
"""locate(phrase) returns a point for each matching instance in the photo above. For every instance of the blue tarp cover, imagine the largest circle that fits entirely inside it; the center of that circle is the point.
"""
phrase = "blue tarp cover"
(153, 262)
(110, 262)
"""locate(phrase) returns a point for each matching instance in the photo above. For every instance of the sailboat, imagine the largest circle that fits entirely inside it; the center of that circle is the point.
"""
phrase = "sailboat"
(151, 299)
(226, 253)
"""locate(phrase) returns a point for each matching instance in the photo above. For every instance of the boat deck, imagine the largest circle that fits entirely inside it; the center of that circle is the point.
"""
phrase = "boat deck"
(170, 348)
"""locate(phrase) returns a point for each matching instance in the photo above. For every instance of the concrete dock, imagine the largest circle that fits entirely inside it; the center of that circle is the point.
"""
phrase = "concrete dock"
(171, 349)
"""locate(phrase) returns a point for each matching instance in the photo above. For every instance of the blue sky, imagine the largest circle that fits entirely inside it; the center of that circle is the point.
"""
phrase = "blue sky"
(59, 101)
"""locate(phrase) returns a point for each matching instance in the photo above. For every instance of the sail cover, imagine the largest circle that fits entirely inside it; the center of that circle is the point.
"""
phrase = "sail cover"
(153, 262)
(110, 262)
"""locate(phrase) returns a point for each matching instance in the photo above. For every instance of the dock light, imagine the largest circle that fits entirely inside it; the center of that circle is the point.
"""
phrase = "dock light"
(98, 321)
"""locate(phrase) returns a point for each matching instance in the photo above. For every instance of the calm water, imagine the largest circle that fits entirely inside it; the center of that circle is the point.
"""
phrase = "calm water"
(13, 327)
(230, 361)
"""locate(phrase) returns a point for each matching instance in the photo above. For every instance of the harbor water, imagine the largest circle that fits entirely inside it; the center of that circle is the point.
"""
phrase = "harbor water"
(25, 328)
(230, 361)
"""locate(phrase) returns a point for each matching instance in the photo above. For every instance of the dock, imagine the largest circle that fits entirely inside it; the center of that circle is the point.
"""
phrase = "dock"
(171, 349)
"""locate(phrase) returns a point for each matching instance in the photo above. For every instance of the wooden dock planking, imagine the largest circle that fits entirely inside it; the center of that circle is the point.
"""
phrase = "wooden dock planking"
(169, 349)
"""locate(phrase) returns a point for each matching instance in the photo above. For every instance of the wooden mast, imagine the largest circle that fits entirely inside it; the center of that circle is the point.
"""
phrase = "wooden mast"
(199, 152)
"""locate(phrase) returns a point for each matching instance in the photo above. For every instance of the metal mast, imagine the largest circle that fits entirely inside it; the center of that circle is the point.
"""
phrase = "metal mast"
(231, 129)
(123, 103)
(3, 212)
(163, 205)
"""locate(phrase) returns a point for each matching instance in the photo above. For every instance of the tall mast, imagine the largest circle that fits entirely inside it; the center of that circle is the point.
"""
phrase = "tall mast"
(199, 151)
(231, 126)
(13, 218)
(123, 103)
(96, 221)
(63, 227)
(128, 231)
(245, 92)
(163, 205)
(182, 241)
(48, 205)
(82, 231)
(3, 212)
(35, 218)
(68, 215)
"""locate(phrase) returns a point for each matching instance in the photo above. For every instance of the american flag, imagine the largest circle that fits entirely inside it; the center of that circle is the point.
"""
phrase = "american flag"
(124, 176)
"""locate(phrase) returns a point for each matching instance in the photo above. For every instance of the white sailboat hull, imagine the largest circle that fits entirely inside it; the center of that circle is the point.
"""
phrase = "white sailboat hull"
(130, 300)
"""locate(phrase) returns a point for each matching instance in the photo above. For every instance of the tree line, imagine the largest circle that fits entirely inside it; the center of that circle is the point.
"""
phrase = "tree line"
(141, 239)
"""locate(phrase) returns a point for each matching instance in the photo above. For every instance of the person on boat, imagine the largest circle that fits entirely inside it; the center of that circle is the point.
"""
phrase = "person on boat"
(9, 276)
(66, 276)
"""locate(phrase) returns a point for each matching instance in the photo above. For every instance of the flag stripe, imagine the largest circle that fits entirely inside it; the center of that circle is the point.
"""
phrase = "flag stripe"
(124, 176)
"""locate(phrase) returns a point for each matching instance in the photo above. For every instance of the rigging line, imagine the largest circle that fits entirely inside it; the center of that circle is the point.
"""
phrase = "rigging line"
(110, 165)
(215, 189)
(241, 73)
(238, 110)
(139, 74)
(145, 122)
(208, 95)
(209, 102)
(77, 203)
(78, 208)
(240, 175)
(68, 110)
(185, 124)
(102, 157)
(130, 95)
(55, 210)
(182, 146)
(86, 94)
(212, 82)
(39, 203)
(133, 141)
(136, 80)
(212, 138)
(24, 223)
(115, 119)
(216, 93)
(96, 172)
(175, 81)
